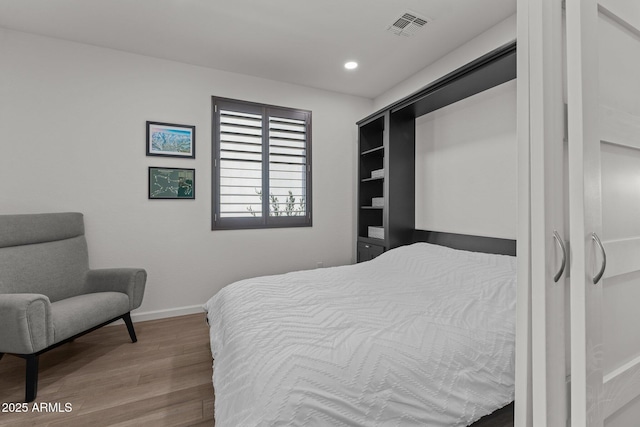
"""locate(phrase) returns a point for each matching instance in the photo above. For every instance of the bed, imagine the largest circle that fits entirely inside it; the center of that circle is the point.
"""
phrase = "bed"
(421, 335)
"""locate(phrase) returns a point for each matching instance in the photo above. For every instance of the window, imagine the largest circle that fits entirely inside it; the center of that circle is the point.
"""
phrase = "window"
(261, 166)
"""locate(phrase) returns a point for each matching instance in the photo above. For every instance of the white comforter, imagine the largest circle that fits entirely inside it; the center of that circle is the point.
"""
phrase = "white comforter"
(422, 335)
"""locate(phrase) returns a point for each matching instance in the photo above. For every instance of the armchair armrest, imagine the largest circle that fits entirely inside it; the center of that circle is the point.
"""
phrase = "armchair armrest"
(130, 281)
(26, 323)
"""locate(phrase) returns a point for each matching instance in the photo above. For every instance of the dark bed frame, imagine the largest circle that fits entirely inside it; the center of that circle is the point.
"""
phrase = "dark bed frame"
(465, 242)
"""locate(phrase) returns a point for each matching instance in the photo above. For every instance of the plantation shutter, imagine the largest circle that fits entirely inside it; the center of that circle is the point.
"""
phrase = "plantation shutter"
(262, 166)
(287, 166)
(240, 164)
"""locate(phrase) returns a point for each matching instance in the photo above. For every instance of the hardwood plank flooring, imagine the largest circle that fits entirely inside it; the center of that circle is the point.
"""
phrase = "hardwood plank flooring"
(162, 380)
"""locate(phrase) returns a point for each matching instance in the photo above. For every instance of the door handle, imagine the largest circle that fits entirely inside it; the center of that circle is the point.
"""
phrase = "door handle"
(598, 276)
(562, 247)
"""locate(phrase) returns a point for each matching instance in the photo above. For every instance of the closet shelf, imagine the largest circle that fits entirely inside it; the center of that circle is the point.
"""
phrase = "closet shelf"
(373, 150)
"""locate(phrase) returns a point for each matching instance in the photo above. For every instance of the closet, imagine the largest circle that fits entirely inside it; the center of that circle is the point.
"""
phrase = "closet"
(579, 137)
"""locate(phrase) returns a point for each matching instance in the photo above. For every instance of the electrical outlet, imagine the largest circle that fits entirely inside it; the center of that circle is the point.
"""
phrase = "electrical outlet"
(319, 264)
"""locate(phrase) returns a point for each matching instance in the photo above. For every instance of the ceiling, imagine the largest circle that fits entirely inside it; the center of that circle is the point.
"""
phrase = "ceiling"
(305, 42)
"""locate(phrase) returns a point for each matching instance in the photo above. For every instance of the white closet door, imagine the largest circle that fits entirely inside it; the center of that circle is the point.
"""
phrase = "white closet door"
(603, 94)
(547, 212)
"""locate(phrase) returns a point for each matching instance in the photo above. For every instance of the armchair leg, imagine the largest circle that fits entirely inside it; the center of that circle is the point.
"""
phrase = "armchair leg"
(31, 389)
(129, 323)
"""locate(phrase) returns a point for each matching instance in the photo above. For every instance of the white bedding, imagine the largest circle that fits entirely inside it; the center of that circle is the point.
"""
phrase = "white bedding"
(421, 335)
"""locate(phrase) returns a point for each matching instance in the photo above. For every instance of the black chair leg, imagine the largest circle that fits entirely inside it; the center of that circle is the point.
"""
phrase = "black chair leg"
(1, 354)
(129, 323)
(31, 389)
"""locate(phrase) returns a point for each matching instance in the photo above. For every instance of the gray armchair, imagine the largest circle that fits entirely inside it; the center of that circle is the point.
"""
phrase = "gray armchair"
(48, 295)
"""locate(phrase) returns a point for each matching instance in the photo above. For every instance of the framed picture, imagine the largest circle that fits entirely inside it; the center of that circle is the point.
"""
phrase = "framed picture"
(172, 183)
(166, 139)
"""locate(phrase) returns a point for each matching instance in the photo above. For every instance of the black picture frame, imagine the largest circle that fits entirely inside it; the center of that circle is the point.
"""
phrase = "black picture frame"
(171, 140)
(171, 183)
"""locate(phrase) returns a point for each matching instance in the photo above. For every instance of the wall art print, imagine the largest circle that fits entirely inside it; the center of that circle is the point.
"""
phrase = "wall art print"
(172, 183)
(172, 140)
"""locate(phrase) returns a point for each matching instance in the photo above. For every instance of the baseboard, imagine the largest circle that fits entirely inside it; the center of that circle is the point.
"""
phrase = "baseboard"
(163, 314)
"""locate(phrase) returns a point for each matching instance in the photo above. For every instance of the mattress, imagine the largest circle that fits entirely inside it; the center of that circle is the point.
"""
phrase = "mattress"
(421, 335)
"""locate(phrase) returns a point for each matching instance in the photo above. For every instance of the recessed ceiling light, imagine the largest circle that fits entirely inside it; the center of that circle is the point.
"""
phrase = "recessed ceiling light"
(351, 65)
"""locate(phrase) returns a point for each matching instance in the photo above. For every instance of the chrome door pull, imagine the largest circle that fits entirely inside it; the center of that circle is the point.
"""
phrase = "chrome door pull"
(598, 276)
(560, 244)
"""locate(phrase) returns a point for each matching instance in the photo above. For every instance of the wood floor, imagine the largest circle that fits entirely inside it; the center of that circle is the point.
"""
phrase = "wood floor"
(162, 380)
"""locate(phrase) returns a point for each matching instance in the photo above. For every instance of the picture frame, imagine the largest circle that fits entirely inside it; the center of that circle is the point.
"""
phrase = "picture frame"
(172, 183)
(171, 140)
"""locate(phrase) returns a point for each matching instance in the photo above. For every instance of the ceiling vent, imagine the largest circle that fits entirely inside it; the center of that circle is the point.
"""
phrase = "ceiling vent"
(407, 24)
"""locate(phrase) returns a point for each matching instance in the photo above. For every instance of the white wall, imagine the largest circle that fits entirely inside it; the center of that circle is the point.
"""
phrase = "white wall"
(72, 124)
(466, 166)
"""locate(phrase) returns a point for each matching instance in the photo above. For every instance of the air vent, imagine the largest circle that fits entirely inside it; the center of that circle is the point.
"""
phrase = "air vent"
(407, 24)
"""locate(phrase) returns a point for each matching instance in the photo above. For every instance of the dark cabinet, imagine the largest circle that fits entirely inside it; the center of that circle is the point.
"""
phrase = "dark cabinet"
(368, 251)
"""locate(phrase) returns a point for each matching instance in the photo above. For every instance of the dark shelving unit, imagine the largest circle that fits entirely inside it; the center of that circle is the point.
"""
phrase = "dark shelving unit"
(373, 142)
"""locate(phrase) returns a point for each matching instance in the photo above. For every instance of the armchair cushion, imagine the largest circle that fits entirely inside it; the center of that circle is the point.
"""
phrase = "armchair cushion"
(74, 315)
(26, 323)
(43, 254)
(19, 230)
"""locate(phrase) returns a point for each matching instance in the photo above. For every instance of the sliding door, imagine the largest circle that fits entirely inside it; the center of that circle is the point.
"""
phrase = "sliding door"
(541, 393)
(603, 96)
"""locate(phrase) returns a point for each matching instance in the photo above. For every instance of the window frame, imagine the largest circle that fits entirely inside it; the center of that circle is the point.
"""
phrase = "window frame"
(265, 220)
